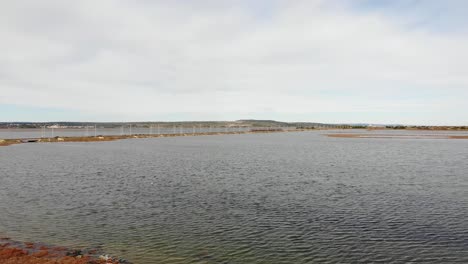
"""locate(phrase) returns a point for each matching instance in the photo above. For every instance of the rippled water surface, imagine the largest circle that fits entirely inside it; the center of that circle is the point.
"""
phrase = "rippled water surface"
(255, 198)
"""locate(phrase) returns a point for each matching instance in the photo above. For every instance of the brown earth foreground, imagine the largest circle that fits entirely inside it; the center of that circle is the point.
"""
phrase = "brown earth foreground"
(396, 136)
(7, 142)
(14, 252)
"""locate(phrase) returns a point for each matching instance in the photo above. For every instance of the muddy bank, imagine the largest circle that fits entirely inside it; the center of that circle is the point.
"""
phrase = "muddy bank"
(7, 142)
(396, 136)
(15, 252)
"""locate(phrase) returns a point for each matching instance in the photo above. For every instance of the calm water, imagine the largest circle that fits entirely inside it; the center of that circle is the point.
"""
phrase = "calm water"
(263, 198)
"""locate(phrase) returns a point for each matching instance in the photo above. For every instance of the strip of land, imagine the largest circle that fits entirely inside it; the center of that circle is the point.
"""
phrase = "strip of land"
(397, 136)
(7, 142)
(15, 252)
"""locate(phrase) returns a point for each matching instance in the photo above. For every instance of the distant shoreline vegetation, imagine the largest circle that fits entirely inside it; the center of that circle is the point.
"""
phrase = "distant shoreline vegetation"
(428, 127)
(239, 123)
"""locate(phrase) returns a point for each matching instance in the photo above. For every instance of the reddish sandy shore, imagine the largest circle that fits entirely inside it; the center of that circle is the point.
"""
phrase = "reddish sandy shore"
(14, 252)
(396, 136)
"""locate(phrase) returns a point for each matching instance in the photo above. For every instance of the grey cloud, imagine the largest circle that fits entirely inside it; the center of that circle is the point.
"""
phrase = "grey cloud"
(209, 55)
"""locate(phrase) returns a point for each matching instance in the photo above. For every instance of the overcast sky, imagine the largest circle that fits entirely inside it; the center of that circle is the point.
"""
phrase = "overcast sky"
(375, 61)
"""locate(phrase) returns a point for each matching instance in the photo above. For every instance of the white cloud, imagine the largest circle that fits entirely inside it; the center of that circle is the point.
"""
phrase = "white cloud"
(144, 58)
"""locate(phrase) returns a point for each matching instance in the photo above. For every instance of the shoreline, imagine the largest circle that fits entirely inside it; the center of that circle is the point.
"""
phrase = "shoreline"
(395, 136)
(16, 252)
(103, 138)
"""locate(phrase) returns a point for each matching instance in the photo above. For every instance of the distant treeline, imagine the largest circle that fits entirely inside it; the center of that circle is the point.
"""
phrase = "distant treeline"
(238, 123)
(429, 127)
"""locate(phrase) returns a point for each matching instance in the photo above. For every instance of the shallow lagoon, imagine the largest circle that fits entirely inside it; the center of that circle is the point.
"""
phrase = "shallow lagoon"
(253, 198)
